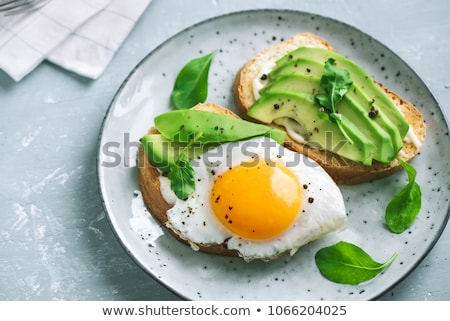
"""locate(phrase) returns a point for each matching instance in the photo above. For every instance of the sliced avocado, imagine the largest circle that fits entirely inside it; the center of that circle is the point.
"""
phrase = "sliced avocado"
(302, 108)
(194, 132)
(383, 149)
(157, 149)
(302, 66)
(360, 98)
(311, 67)
(207, 127)
(163, 152)
(297, 83)
(358, 76)
(348, 107)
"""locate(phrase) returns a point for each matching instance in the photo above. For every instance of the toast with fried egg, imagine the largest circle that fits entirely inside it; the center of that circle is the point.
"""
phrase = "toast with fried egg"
(342, 170)
(253, 198)
(149, 183)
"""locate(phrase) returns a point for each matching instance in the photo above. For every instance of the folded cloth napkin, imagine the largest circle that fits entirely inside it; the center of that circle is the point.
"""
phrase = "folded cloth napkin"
(79, 35)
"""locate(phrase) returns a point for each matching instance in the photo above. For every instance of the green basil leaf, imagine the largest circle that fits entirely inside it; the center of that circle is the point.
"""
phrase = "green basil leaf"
(323, 100)
(347, 263)
(336, 82)
(404, 207)
(181, 176)
(191, 85)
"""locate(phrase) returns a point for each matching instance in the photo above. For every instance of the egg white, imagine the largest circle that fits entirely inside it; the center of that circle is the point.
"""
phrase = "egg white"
(322, 210)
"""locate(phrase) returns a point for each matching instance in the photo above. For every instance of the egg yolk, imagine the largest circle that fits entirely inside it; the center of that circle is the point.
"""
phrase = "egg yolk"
(256, 200)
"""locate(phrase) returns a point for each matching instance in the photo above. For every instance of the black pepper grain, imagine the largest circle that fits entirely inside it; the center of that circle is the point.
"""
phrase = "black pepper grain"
(373, 113)
(310, 200)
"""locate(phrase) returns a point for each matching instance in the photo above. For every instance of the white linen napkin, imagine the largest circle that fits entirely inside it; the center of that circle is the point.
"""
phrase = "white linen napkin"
(79, 35)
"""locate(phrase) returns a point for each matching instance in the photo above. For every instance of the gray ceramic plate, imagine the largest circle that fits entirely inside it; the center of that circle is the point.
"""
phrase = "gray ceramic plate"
(199, 276)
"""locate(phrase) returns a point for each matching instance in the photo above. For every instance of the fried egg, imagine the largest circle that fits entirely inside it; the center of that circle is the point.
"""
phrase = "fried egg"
(258, 198)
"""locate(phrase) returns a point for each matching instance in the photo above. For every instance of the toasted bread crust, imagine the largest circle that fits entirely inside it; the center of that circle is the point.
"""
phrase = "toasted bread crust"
(149, 184)
(342, 170)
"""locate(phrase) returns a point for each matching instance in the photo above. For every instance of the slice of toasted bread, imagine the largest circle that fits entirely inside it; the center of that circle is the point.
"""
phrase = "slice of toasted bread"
(343, 171)
(149, 183)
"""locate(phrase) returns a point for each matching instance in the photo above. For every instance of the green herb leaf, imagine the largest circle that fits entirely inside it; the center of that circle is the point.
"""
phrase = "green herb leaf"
(404, 207)
(191, 85)
(336, 83)
(181, 176)
(348, 264)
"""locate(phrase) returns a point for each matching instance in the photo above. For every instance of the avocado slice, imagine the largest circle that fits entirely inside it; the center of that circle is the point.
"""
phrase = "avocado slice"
(194, 132)
(322, 133)
(302, 66)
(358, 76)
(348, 107)
(382, 119)
(163, 152)
(298, 83)
(206, 127)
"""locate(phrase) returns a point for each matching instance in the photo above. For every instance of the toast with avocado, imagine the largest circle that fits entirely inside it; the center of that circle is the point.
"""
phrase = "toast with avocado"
(161, 147)
(331, 109)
